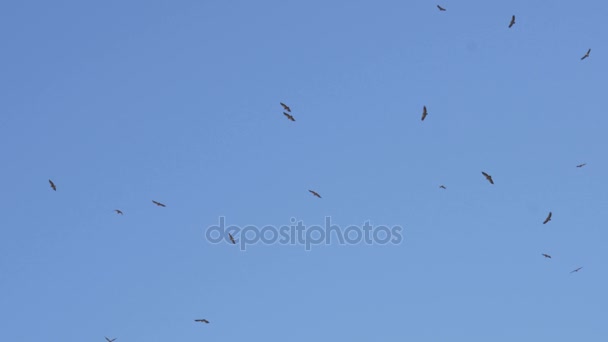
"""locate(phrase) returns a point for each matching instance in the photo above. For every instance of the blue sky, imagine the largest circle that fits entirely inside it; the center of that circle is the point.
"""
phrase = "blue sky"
(125, 102)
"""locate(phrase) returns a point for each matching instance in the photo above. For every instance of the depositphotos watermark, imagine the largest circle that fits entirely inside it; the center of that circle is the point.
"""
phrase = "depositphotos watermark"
(300, 234)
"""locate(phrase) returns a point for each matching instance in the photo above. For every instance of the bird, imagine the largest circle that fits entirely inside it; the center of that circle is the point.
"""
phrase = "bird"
(286, 107)
(159, 204)
(424, 113)
(512, 21)
(546, 255)
(202, 321)
(581, 165)
(315, 193)
(548, 218)
(488, 177)
(440, 8)
(442, 186)
(586, 55)
(289, 116)
(118, 211)
(576, 270)
(107, 339)
(231, 240)
(53, 185)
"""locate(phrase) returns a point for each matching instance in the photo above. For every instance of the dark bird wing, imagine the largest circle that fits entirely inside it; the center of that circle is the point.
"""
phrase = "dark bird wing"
(201, 320)
(488, 177)
(581, 165)
(118, 211)
(107, 339)
(586, 55)
(290, 117)
(52, 185)
(546, 255)
(315, 193)
(442, 186)
(512, 21)
(159, 204)
(231, 239)
(286, 107)
(576, 270)
(548, 218)
(440, 8)
(424, 113)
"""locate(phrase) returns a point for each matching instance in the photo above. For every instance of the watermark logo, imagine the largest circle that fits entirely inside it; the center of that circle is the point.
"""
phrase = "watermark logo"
(300, 234)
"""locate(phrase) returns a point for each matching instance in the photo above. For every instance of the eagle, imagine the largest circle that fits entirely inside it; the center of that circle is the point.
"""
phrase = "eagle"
(53, 185)
(289, 116)
(546, 255)
(488, 177)
(442, 186)
(548, 218)
(231, 240)
(576, 270)
(118, 211)
(202, 321)
(107, 339)
(512, 21)
(159, 204)
(440, 8)
(315, 193)
(286, 107)
(586, 55)
(424, 113)
(581, 165)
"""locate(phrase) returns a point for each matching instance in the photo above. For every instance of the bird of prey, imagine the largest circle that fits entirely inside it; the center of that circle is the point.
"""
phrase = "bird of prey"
(286, 107)
(488, 177)
(159, 204)
(581, 165)
(315, 193)
(442, 186)
(118, 211)
(440, 8)
(231, 239)
(424, 113)
(289, 116)
(586, 55)
(202, 321)
(576, 270)
(548, 218)
(546, 255)
(53, 185)
(107, 339)
(512, 21)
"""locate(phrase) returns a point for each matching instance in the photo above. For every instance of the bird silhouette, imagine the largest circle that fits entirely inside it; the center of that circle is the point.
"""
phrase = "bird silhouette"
(512, 21)
(118, 211)
(440, 8)
(488, 177)
(107, 339)
(442, 186)
(53, 185)
(315, 193)
(286, 107)
(586, 55)
(576, 270)
(232, 239)
(202, 321)
(546, 255)
(581, 165)
(159, 204)
(548, 218)
(424, 113)
(289, 116)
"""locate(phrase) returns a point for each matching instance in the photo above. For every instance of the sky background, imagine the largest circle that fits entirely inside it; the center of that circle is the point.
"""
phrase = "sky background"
(125, 102)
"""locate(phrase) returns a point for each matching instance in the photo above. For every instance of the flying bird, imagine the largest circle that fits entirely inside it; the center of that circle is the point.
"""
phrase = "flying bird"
(442, 186)
(53, 185)
(581, 165)
(315, 193)
(576, 270)
(118, 211)
(286, 107)
(488, 177)
(546, 255)
(424, 113)
(548, 218)
(289, 116)
(107, 339)
(159, 204)
(512, 21)
(231, 239)
(586, 55)
(202, 321)
(440, 8)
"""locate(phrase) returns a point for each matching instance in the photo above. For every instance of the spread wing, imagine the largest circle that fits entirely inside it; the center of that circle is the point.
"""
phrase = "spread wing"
(440, 8)
(52, 185)
(512, 21)
(548, 218)
(424, 113)
(286, 107)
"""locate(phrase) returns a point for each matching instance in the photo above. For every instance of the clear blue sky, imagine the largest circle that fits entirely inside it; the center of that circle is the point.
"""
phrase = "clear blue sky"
(125, 102)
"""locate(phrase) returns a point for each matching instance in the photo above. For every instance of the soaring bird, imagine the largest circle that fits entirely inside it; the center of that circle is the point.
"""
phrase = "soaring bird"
(442, 186)
(546, 255)
(581, 165)
(315, 193)
(488, 177)
(576, 270)
(107, 339)
(424, 113)
(118, 211)
(586, 55)
(231, 239)
(548, 218)
(289, 116)
(53, 185)
(440, 8)
(202, 321)
(286, 107)
(159, 204)
(512, 21)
